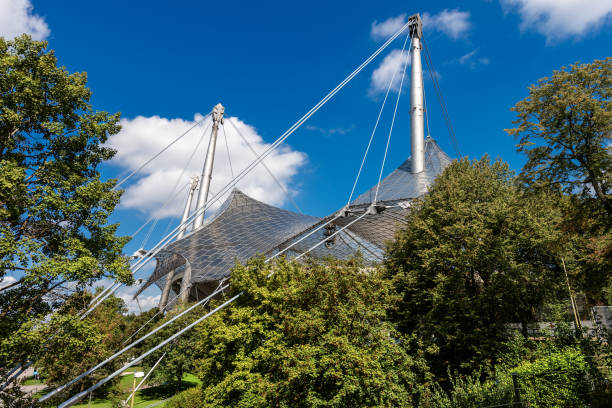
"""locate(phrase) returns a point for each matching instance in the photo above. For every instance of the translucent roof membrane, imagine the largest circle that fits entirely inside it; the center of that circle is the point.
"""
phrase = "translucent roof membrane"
(244, 227)
(401, 184)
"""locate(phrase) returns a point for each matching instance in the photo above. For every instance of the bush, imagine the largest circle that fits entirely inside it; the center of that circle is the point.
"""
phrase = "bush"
(307, 335)
(560, 379)
(191, 398)
(469, 391)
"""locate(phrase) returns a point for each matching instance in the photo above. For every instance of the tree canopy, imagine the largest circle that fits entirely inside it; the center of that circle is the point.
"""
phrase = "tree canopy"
(564, 126)
(313, 335)
(54, 208)
(476, 253)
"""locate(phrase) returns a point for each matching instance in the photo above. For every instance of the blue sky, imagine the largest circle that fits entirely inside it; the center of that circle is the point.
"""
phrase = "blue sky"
(161, 64)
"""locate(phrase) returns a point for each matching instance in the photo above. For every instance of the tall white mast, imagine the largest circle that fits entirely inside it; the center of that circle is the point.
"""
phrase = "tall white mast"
(417, 128)
(217, 118)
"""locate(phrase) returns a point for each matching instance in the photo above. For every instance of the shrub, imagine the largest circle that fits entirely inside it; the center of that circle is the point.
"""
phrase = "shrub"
(469, 391)
(560, 379)
(191, 398)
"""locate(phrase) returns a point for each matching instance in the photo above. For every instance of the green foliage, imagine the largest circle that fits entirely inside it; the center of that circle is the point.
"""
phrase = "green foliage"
(64, 345)
(593, 263)
(312, 335)
(556, 380)
(14, 397)
(476, 253)
(191, 398)
(564, 127)
(54, 208)
(179, 355)
(470, 391)
(560, 357)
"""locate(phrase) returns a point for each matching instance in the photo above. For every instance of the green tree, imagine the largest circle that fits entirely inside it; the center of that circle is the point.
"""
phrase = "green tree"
(65, 346)
(179, 354)
(54, 208)
(311, 335)
(564, 127)
(476, 253)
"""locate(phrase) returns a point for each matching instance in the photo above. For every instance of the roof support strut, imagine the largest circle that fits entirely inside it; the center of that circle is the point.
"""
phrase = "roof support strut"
(170, 277)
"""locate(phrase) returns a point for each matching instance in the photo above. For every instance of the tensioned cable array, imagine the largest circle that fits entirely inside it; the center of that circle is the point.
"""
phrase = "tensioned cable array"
(445, 115)
(219, 289)
(164, 241)
(399, 94)
(138, 359)
(154, 217)
(105, 293)
(140, 263)
(115, 286)
(229, 159)
(244, 139)
(382, 107)
(178, 180)
(140, 384)
(129, 346)
(142, 166)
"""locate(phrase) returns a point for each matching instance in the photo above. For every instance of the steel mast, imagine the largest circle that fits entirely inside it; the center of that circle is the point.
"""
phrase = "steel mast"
(417, 128)
(217, 118)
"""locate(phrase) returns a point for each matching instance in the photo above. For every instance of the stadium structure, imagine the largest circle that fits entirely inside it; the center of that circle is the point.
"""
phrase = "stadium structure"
(192, 267)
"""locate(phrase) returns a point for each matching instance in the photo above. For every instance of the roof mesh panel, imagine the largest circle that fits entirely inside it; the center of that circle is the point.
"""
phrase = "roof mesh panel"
(244, 227)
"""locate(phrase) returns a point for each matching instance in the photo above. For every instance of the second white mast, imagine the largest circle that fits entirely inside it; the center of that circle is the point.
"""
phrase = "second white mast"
(217, 118)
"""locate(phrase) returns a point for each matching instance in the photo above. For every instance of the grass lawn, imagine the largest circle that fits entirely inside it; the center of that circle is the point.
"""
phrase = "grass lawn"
(32, 381)
(140, 402)
(144, 397)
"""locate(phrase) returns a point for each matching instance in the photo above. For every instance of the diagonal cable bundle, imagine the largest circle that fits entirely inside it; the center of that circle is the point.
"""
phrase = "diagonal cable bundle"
(445, 115)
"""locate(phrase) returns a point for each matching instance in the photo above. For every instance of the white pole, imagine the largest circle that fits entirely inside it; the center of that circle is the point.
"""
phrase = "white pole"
(417, 129)
(132, 395)
(217, 118)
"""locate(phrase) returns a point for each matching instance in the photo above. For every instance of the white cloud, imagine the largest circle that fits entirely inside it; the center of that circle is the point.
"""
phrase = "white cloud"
(148, 299)
(470, 60)
(6, 281)
(142, 137)
(388, 27)
(146, 303)
(392, 64)
(340, 131)
(453, 23)
(560, 19)
(467, 57)
(16, 18)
